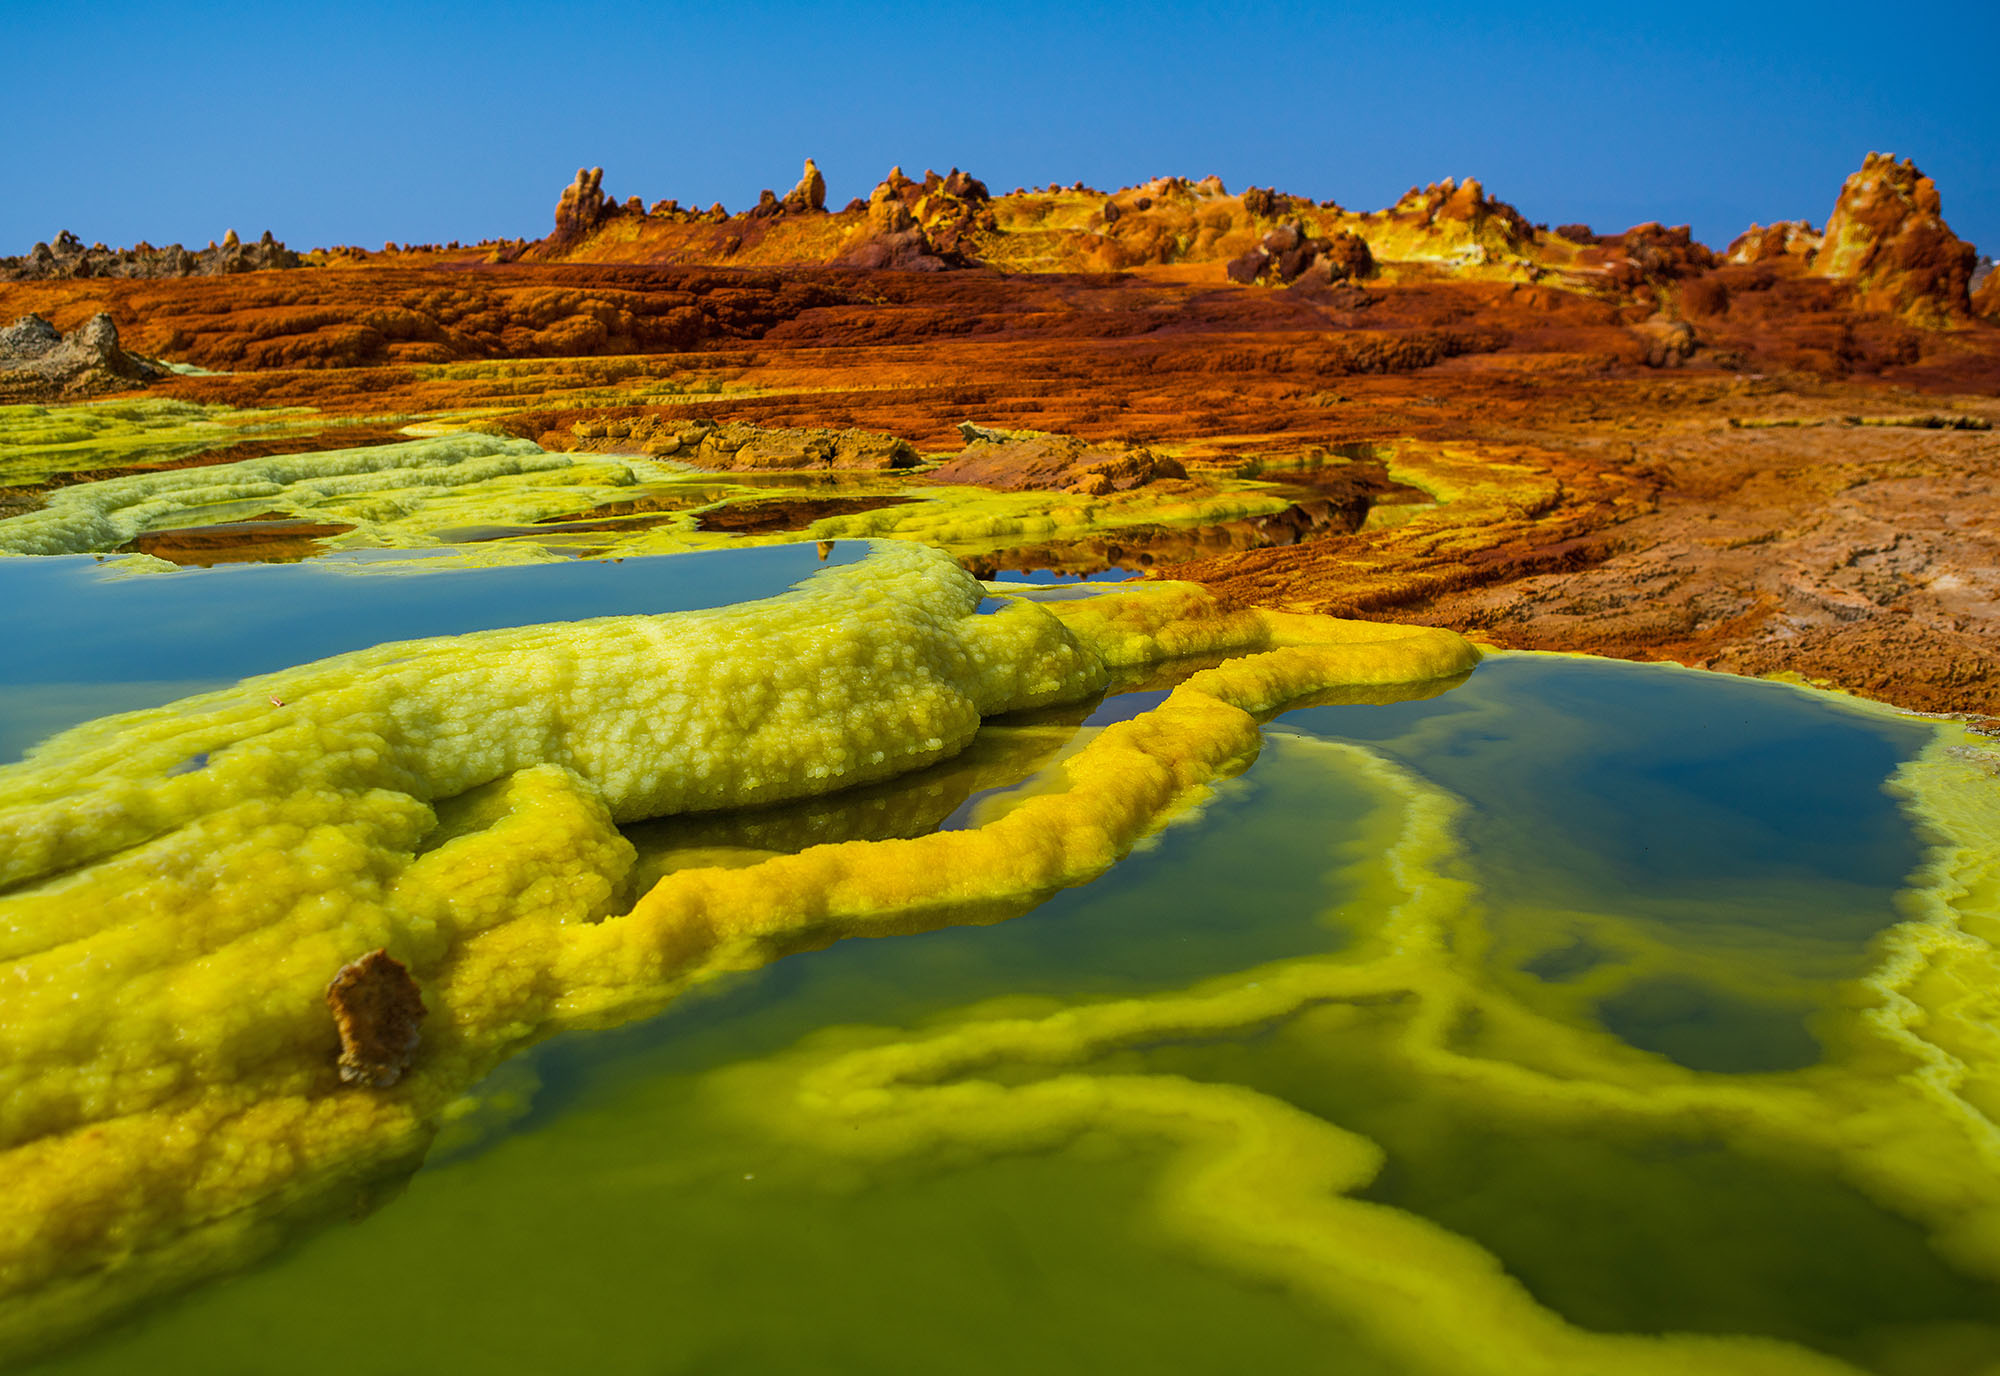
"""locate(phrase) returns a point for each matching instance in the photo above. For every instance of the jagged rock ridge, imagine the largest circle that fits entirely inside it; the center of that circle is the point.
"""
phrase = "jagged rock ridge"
(69, 257)
(1886, 240)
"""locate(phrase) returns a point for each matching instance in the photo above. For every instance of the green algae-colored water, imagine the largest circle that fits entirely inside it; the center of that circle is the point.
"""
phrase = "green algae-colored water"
(1692, 864)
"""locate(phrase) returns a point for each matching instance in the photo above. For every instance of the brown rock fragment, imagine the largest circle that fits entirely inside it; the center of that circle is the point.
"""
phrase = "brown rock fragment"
(1669, 343)
(1346, 256)
(377, 1008)
(1284, 238)
(1248, 266)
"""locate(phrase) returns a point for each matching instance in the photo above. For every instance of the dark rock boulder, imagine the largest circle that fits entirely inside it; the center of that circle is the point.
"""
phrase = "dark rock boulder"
(1248, 266)
(39, 364)
(1287, 255)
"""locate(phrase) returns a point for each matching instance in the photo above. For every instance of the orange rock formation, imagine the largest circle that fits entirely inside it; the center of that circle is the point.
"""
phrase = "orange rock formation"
(1888, 237)
(1631, 444)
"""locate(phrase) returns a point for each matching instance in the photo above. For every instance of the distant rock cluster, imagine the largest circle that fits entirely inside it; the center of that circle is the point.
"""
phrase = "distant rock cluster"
(741, 445)
(1886, 240)
(40, 363)
(69, 257)
(922, 225)
(1287, 254)
(904, 224)
(584, 206)
(807, 198)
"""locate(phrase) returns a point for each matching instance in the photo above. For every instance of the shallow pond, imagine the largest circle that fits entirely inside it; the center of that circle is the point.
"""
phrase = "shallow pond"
(1674, 871)
(85, 638)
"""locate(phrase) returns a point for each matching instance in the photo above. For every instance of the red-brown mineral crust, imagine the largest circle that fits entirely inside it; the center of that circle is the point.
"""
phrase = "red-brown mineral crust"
(1051, 463)
(1774, 459)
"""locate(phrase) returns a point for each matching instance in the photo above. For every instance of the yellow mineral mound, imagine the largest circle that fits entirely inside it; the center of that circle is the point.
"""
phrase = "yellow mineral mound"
(1449, 222)
(426, 831)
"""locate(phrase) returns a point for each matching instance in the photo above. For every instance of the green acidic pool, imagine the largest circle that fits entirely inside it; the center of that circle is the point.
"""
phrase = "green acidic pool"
(1657, 878)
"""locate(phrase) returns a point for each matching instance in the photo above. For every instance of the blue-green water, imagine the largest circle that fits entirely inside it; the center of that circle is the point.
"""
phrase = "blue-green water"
(1711, 814)
(1690, 863)
(81, 643)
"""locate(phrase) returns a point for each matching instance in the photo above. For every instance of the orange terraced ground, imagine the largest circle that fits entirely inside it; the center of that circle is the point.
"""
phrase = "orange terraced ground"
(1773, 457)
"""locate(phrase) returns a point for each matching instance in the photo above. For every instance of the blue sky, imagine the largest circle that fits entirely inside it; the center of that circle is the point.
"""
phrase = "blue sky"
(356, 123)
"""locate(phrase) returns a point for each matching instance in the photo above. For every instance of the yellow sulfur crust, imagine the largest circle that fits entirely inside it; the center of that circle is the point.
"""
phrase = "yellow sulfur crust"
(181, 883)
(504, 494)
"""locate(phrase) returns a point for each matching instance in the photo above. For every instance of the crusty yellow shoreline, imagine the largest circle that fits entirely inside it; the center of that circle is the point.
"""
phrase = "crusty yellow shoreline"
(1903, 1108)
(182, 882)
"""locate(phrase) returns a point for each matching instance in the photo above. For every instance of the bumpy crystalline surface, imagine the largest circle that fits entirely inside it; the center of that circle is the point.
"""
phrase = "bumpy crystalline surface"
(513, 498)
(391, 491)
(180, 884)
